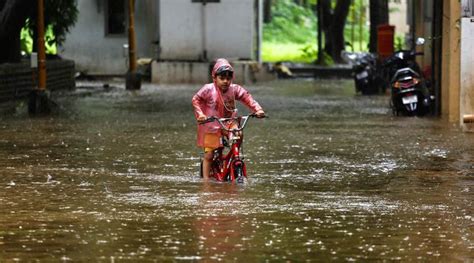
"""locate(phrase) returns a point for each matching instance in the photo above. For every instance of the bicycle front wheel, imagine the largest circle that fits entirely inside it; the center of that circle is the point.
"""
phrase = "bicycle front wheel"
(239, 172)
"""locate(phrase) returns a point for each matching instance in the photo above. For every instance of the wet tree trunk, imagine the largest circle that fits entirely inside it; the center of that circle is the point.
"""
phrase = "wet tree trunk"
(334, 22)
(378, 16)
(267, 11)
(302, 2)
(13, 14)
(319, 14)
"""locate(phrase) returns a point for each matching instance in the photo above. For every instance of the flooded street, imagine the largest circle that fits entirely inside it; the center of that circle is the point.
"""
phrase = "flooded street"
(332, 176)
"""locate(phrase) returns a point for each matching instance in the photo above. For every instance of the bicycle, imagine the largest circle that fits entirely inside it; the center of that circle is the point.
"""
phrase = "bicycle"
(229, 166)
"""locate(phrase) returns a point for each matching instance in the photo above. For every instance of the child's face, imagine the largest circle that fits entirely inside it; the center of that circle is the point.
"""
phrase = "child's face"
(223, 81)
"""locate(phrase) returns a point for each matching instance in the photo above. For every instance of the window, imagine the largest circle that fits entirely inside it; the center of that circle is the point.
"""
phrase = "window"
(467, 8)
(115, 17)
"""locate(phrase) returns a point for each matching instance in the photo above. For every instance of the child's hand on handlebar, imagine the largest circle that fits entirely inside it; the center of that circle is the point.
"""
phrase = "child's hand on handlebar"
(201, 118)
(260, 114)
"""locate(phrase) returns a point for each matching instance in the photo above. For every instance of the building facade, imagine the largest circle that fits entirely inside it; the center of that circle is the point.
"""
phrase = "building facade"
(166, 30)
(449, 28)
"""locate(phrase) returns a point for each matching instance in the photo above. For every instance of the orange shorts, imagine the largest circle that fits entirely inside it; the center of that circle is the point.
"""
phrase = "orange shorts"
(212, 141)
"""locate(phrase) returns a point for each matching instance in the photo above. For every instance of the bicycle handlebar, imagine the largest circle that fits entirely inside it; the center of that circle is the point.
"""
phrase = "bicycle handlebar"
(222, 120)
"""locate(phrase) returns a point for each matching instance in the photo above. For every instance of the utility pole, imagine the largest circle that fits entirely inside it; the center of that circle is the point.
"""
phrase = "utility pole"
(133, 78)
(39, 102)
(41, 48)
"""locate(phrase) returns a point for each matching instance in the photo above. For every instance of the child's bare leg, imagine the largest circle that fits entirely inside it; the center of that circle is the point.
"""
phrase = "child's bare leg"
(206, 164)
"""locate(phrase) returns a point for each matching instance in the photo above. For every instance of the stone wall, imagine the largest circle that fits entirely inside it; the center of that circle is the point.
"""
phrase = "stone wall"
(16, 80)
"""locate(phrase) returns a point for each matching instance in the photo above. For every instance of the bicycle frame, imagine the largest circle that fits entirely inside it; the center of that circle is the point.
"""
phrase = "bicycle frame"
(230, 166)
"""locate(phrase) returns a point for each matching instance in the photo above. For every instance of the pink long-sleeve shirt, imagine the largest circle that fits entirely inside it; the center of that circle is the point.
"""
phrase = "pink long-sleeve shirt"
(211, 101)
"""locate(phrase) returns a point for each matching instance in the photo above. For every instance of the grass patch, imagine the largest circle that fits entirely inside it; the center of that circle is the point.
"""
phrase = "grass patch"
(296, 52)
(274, 52)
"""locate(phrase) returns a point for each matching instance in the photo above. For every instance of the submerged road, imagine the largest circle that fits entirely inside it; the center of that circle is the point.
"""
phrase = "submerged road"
(332, 176)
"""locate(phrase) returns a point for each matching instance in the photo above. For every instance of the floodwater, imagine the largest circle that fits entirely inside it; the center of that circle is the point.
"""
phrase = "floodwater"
(333, 176)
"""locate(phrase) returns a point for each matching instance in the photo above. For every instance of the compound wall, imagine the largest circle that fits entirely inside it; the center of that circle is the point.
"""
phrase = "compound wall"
(17, 80)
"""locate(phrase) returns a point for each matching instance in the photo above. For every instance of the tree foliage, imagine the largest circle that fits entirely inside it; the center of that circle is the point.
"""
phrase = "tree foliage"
(334, 21)
(295, 21)
(60, 15)
(356, 31)
(13, 14)
(378, 16)
(290, 22)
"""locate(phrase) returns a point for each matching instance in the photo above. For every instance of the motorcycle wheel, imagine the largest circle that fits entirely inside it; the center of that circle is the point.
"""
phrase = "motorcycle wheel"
(369, 88)
(424, 109)
(369, 91)
(395, 112)
(392, 106)
(356, 85)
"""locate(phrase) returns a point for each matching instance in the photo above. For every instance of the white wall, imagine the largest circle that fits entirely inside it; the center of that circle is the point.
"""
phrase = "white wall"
(467, 74)
(398, 18)
(97, 53)
(225, 29)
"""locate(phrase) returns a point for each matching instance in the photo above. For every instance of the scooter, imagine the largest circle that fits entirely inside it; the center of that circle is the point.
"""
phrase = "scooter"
(409, 93)
(364, 71)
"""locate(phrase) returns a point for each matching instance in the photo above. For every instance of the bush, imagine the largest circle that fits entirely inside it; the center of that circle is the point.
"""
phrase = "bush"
(291, 35)
(290, 23)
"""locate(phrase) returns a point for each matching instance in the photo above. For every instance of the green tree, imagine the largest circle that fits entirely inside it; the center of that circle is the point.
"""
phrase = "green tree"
(303, 22)
(290, 23)
(60, 15)
(333, 21)
(378, 16)
(13, 14)
(267, 11)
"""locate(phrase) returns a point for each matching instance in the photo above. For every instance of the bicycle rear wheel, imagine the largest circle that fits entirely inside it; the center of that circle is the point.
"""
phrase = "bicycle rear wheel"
(215, 169)
(200, 170)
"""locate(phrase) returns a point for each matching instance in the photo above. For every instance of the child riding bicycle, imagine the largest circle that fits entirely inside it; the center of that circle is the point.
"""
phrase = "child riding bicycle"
(218, 99)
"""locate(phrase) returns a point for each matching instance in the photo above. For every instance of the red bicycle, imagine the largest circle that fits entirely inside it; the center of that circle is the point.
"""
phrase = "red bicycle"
(229, 166)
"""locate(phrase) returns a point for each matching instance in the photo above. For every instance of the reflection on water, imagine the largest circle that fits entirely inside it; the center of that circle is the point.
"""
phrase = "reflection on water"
(332, 176)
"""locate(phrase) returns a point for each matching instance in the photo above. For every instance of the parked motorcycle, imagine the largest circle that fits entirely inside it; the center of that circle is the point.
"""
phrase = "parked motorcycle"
(364, 71)
(409, 93)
